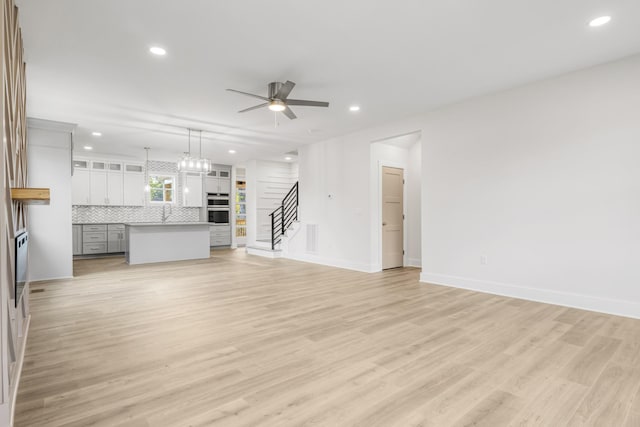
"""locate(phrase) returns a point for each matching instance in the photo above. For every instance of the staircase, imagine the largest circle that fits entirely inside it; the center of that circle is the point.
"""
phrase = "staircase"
(282, 219)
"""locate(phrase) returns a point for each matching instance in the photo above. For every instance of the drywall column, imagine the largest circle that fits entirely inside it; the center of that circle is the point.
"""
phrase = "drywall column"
(414, 217)
(252, 223)
(50, 240)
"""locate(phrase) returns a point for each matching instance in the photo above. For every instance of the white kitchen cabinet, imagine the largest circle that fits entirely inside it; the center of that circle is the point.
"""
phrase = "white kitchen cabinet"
(106, 184)
(98, 187)
(98, 165)
(211, 184)
(81, 187)
(133, 189)
(193, 197)
(133, 168)
(115, 188)
(224, 185)
(218, 181)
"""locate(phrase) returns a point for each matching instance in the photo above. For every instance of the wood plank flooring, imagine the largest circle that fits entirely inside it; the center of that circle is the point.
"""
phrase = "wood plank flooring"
(239, 340)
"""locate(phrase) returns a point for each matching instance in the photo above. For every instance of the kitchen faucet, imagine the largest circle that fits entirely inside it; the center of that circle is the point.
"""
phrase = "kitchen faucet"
(164, 214)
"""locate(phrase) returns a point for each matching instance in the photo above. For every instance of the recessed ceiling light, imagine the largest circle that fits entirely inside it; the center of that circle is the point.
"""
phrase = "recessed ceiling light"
(232, 151)
(157, 50)
(287, 158)
(600, 21)
(354, 108)
(88, 147)
(96, 133)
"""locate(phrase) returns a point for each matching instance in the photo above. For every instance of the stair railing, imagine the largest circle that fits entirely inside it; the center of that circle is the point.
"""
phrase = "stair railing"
(284, 216)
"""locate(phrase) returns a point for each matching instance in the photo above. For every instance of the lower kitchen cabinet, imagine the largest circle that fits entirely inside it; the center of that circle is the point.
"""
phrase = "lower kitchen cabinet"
(77, 239)
(115, 238)
(220, 235)
(94, 248)
(92, 239)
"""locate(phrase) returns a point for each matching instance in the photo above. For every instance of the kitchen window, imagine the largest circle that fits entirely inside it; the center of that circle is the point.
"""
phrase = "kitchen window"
(162, 188)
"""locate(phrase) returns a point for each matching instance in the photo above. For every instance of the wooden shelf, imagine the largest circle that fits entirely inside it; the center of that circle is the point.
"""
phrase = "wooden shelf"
(32, 196)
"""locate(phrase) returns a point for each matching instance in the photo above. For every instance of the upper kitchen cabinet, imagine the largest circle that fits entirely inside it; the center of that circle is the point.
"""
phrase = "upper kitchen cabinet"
(192, 193)
(107, 183)
(80, 183)
(133, 184)
(218, 181)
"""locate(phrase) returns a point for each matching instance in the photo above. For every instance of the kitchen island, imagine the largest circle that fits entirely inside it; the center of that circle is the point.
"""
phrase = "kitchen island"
(149, 242)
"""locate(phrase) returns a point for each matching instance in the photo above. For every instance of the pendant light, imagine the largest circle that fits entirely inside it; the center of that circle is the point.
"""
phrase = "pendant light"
(190, 164)
(147, 187)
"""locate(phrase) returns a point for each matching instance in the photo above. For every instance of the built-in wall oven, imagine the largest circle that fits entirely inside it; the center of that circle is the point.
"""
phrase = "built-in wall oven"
(218, 216)
(215, 201)
(218, 209)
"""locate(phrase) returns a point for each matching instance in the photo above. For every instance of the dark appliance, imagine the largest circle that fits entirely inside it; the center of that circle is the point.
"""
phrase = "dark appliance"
(22, 240)
(218, 215)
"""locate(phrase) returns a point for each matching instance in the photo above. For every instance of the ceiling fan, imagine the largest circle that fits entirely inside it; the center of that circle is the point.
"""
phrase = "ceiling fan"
(277, 99)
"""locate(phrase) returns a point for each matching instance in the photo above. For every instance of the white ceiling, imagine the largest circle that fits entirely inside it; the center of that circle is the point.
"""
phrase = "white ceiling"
(88, 63)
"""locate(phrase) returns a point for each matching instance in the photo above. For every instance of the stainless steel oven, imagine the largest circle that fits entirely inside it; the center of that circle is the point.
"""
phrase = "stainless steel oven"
(214, 201)
(218, 215)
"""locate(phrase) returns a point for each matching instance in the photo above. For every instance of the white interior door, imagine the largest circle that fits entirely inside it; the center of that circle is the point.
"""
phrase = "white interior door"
(392, 217)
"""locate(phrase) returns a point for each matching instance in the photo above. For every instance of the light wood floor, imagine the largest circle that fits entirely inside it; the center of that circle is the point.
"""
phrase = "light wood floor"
(239, 340)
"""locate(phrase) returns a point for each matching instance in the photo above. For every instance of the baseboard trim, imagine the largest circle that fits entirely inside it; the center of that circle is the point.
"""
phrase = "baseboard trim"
(52, 279)
(16, 381)
(314, 259)
(565, 299)
(263, 252)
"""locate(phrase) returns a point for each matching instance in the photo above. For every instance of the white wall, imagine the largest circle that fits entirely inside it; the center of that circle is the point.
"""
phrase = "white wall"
(251, 171)
(542, 180)
(414, 206)
(335, 195)
(50, 235)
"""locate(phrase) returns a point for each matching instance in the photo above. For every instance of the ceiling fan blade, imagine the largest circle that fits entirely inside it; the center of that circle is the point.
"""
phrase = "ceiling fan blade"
(307, 103)
(287, 112)
(285, 90)
(249, 94)
(253, 108)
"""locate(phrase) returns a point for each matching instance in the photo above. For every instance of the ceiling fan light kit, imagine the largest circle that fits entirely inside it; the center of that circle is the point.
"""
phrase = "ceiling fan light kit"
(278, 99)
(277, 105)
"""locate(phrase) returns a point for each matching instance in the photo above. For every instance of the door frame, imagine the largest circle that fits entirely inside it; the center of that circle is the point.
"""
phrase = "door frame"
(390, 164)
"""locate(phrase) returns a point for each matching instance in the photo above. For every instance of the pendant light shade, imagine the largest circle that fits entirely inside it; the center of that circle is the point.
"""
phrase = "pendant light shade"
(194, 164)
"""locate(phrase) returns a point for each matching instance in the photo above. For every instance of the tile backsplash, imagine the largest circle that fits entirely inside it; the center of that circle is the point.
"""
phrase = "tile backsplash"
(102, 214)
(110, 214)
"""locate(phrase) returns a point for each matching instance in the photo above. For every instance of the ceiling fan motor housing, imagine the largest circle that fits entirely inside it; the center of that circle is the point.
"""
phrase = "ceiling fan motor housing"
(274, 87)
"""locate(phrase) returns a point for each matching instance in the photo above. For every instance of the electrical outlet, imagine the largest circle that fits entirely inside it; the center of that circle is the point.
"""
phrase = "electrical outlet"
(483, 260)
